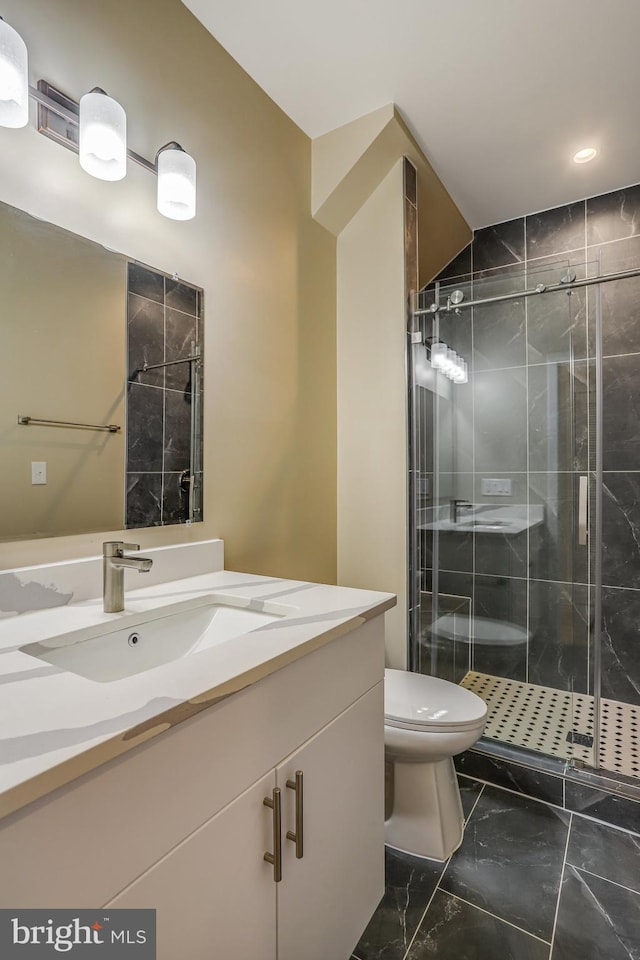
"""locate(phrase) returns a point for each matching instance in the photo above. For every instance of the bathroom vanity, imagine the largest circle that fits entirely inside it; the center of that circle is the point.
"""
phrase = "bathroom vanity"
(161, 789)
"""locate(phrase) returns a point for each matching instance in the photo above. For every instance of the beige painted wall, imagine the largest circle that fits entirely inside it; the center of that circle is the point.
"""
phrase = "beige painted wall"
(268, 270)
(372, 432)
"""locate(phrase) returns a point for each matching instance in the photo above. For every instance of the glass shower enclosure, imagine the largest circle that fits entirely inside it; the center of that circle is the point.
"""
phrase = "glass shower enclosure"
(513, 564)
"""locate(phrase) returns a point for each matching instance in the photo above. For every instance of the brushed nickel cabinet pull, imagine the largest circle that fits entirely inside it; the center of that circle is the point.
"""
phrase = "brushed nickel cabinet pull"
(275, 858)
(298, 836)
(583, 489)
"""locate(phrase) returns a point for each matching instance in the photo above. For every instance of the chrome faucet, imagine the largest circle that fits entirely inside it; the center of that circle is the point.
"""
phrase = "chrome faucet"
(114, 563)
(456, 506)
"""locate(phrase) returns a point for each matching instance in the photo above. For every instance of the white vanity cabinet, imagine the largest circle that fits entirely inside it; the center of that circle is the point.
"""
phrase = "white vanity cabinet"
(179, 824)
(215, 895)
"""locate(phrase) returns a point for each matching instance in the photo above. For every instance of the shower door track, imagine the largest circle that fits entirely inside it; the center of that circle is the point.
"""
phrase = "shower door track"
(535, 292)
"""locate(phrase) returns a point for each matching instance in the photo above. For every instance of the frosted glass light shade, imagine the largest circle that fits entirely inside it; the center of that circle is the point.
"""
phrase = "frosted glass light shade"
(103, 137)
(176, 184)
(439, 356)
(14, 78)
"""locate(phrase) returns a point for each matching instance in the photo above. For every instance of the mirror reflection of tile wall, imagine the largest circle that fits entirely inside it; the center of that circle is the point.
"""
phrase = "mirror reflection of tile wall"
(164, 432)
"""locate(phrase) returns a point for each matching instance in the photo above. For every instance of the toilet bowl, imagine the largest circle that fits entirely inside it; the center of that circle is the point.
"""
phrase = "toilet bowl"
(427, 722)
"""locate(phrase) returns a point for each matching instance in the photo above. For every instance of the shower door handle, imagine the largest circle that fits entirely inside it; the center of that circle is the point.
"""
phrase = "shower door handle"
(583, 490)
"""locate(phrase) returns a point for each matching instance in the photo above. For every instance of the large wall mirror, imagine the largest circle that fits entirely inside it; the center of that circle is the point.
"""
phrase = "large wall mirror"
(100, 387)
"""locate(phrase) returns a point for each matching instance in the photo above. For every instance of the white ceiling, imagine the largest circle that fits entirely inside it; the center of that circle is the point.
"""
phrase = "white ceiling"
(499, 93)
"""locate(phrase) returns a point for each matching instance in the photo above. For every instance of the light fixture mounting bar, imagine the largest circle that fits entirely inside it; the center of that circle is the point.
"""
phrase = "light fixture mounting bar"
(58, 119)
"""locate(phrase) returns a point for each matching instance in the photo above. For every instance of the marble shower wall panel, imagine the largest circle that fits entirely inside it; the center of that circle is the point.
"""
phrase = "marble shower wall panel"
(499, 329)
(555, 231)
(500, 420)
(559, 635)
(165, 321)
(613, 216)
(528, 415)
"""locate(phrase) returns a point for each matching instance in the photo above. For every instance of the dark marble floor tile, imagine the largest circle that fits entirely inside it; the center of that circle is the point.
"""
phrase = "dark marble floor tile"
(605, 851)
(553, 554)
(621, 531)
(619, 647)
(146, 282)
(409, 885)
(510, 861)
(608, 807)
(556, 231)
(181, 296)
(511, 776)
(144, 428)
(613, 216)
(180, 340)
(144, 500)
(559, 618)
(621, 413)
(620, 298)
(145, 339)
(498, 245)
(597, 920)
(454, 930)
(470, 790)
(500, 421)
(177, 431)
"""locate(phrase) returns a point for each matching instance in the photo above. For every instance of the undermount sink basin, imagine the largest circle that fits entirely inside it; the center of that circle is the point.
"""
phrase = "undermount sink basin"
(115, 650)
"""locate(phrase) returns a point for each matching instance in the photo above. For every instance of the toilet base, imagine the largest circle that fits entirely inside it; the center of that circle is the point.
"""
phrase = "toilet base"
(427, 819)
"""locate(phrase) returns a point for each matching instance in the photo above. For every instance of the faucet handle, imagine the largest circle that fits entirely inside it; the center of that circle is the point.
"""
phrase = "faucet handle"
(116, 548)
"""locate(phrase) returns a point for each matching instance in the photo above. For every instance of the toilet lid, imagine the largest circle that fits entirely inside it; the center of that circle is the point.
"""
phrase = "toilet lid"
(420, 701)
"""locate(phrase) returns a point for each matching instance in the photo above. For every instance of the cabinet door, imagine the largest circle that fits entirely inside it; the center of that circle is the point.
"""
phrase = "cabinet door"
(326, 898)
(214, 894)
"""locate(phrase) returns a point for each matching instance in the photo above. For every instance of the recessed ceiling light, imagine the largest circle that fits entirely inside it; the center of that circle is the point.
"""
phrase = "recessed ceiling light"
(583, 156)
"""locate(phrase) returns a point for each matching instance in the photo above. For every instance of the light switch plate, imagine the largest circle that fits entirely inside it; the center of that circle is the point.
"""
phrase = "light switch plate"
(38, 472)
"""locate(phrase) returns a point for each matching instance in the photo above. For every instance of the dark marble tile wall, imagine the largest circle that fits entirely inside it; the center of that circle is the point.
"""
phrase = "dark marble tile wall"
(527, 415)
(164, 319)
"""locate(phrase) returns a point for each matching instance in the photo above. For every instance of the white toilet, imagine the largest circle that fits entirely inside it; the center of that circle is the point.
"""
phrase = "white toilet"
(426, 722)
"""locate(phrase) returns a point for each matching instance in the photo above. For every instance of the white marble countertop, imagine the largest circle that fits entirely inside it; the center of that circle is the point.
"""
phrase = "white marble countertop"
(56, 725)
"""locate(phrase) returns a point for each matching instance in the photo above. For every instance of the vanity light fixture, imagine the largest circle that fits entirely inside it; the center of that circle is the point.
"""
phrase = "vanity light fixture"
(14, 78)
(96, 128)
(448, 362)
(585, 155)
(176, 182)
(102, 136)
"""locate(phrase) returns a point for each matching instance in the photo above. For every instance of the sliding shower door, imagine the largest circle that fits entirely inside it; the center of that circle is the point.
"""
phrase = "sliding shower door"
(500, 495)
